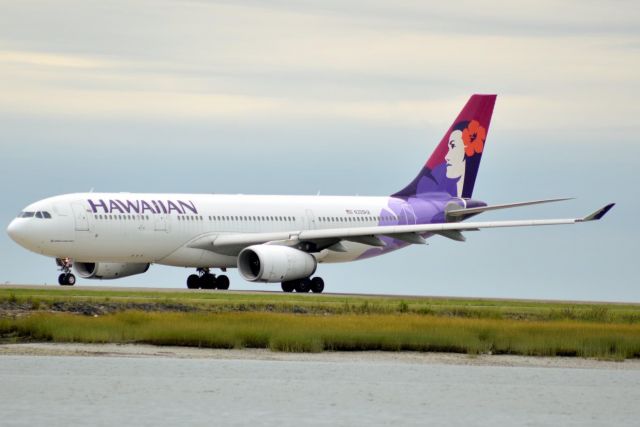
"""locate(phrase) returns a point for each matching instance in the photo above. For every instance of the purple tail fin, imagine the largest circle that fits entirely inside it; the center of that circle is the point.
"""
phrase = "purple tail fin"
(453, 166)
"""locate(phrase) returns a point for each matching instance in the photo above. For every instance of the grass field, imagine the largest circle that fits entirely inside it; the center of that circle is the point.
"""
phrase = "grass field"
(312, 323)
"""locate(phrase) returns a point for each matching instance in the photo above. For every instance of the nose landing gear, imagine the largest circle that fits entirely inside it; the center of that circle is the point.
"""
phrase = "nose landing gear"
(205, 280)
(66, 278)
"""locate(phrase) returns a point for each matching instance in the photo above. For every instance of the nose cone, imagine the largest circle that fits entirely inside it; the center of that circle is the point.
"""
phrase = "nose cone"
(12, 229)
(16, 230)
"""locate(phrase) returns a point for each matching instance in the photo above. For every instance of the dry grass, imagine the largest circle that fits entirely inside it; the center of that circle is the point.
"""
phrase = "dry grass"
(344, 332)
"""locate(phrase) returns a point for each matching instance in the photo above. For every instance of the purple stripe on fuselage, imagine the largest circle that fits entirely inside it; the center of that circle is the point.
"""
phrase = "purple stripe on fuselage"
(427, 209)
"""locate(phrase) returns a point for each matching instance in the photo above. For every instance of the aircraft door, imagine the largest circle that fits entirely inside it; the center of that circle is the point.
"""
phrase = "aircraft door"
(81, 218)
(309, 220)
(161, 223)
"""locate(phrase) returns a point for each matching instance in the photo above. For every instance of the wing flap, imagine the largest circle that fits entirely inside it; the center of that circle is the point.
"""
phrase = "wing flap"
(413, 238)
(367, 240)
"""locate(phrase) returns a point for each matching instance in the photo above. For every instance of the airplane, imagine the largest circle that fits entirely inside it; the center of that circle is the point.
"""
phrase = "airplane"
(270, 239)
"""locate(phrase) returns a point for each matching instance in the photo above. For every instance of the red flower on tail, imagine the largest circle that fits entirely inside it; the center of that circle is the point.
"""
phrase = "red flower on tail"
(473, 137)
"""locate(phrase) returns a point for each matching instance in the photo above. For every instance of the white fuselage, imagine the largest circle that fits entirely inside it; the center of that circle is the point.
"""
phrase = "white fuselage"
(158, 228)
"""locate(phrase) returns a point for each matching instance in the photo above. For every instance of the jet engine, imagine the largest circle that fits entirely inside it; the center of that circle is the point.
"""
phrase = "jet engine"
(108, 270)
(271, 263)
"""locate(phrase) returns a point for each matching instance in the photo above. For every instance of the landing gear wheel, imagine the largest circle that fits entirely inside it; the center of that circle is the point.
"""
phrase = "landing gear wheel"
(303, 285)
(317, 285)
(193, 282)
(223, 282)
(208, 281)
(67, 279)
(288, 286)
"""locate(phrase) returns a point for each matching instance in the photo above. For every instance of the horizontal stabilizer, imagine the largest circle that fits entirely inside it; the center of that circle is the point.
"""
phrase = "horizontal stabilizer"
(454, 214)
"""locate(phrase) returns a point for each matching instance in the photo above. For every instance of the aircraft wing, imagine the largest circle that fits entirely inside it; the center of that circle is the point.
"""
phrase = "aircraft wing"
(232, 244)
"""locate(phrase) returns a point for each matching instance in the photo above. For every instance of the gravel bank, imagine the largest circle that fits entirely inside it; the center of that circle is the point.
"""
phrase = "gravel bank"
(141, 351)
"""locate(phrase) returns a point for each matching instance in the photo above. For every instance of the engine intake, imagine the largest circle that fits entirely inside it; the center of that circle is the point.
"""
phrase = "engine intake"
(271, 263)
(108, 270)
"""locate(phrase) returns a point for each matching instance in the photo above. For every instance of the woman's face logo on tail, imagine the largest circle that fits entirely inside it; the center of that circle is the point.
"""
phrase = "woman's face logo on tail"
(466, 141)
(455, 156)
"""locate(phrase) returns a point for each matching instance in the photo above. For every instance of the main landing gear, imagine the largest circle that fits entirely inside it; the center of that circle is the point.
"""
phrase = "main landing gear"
(315, 285)
(66, 278)
(205, 280)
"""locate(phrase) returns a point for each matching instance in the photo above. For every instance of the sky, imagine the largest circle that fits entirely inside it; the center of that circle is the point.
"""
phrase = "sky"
(337, 98)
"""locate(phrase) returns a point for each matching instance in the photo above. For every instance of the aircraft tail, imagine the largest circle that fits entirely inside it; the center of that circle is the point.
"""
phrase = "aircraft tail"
(453, 166)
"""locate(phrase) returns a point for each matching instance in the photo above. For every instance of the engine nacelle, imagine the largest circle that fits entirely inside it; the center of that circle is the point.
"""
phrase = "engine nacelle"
(108, 270)
(271, 263)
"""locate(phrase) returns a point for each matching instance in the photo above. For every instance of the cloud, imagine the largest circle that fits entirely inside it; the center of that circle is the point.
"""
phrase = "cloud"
(209, 60)
(50, 60)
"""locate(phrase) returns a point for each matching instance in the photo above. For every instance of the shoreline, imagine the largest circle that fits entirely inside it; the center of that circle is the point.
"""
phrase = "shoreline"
(250, 354)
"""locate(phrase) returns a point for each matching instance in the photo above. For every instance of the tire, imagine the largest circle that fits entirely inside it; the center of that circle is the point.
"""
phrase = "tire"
(193, 282)
(317, 285)
(223, 282)
(62, 279)
(303, 286)
(288, 286)
(70, 279)
(208, 281)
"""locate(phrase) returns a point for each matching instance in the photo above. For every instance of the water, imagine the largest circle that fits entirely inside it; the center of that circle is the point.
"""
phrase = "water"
(58, 391)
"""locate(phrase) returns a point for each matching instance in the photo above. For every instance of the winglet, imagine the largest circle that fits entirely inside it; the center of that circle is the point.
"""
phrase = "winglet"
(598, 214)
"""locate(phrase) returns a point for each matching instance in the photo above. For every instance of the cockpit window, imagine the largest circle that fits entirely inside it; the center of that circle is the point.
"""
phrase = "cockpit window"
(39, 214)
